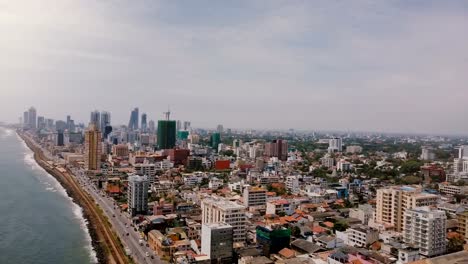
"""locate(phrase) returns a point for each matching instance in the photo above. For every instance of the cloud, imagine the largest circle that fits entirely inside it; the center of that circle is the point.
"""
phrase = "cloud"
(361, 65)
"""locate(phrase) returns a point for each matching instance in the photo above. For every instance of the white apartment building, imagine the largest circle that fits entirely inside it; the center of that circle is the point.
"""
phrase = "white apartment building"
(452, 189)
(279, 206)
(215, 183)
(427, 153)
(137, 194)
(394, 201)
(327, 162)
(254, 196)
(218, 210)
(425, 228)
(335, 145)
(292, 184)
(344, 165)
(362, 236)
(354, 149)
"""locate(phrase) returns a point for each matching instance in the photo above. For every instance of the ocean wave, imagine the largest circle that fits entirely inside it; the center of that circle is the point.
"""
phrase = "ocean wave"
(54, 186)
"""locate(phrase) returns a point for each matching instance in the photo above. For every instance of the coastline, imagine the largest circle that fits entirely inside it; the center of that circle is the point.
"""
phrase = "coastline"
(103, 240)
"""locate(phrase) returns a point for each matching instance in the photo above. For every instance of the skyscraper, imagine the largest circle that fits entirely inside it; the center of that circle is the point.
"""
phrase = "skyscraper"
(178, 125)
(105, 120)
(134, 117)
(277, 148)
(41, 122)
(93, 148)
(215, 140)
(220, 129)
(166, 134)
(152, 126)
(186, 125)
(138, 194)
(32, 120)
(25, 119)
(144, 125)
(95, 119)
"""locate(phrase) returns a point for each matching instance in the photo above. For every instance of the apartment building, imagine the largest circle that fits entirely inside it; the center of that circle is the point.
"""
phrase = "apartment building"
(218, 210)
(393, 202)
(254, 196)
(425, 228)
(463, 224)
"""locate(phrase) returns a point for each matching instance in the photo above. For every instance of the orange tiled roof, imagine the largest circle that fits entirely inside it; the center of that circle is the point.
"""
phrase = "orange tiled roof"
(329, 224)
(287, 253)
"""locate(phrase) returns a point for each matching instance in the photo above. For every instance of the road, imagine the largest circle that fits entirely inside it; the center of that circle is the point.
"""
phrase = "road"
(121, 223)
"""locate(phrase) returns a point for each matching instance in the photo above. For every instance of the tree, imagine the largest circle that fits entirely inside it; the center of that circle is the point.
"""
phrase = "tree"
(455, 243)
(296, 231)
(340, 226)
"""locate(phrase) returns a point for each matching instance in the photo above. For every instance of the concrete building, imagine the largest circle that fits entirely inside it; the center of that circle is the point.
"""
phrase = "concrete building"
(452, 189)
(427, 153)
(393, 202)
(93, 149)
(254, 196)
(425, 228)
(277, 148)
(279, 207)
(137, 194)
(335, 145)
(463, 224)
(217, 242)
(120, 150)
(364, 213)
(362, 236)
(292, 184)
(218, 210)
(353, 149)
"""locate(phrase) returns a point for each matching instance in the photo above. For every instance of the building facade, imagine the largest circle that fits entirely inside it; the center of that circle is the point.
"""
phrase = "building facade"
(93, 148)
(137, 194)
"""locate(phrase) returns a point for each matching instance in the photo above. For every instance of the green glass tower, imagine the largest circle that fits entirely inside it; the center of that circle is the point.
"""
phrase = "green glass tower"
(166, 134)
(215, 140)
(182, 134)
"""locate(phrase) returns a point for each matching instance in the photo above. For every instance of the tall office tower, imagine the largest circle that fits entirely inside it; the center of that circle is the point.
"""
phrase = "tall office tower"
(71, 126)
(138, 194)
(93, 148)
(107, 131)
(335, 145)
(215, 140)
(219, 210)
(425, 228)
(144, 124)
(393, 202)
(178, 125)
(59, 138)
(49, 123)
(220, 129)
(32, 118)
(151, 126)
(134, 116)
(105, 120)
(217, 242)
(186, 125)
(41, 124)
(60, 125)
(166, 134)
(25, 119)
(277, 148)
(68, 122)
(95, 119)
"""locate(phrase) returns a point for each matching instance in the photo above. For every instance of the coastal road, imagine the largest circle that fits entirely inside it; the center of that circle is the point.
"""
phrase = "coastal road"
(121, 222)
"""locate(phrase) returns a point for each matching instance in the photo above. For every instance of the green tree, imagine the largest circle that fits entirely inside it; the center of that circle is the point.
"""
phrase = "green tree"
(455, 244)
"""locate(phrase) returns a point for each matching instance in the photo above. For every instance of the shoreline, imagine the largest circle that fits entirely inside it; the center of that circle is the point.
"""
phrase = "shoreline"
(104, 246)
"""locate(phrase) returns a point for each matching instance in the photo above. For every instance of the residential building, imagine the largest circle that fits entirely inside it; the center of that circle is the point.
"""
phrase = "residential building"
(452, 189)
(217, 242)
(394, 201)
(425, 228)
(277, 148)
(138, 194)
(353, 149)
(219, 210)
(335, 145)
(93, 148)
(281, 206)
(463, 224)
(292, 184)
(254, 196)
(272, 239)
(364, 213)
(427, 153)
(362, 236)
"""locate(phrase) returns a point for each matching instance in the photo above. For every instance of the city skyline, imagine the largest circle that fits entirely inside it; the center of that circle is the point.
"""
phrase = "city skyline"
(359, 66)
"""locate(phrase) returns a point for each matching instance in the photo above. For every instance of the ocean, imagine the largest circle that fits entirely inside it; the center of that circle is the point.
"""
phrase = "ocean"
(39, 223)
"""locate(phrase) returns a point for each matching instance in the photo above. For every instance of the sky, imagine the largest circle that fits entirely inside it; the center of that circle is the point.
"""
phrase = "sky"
(395, 66)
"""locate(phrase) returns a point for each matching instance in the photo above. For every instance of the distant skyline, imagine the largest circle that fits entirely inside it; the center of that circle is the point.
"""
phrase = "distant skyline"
(395, 66)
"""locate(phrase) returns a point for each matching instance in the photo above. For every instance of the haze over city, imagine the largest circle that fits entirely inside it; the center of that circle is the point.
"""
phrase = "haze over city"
(360, 65)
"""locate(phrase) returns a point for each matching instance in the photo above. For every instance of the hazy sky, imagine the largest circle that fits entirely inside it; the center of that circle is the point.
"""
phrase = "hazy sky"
(358, 65)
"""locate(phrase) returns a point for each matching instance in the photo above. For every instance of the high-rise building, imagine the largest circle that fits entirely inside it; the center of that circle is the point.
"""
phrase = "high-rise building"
(215, 140)
(178, 125)
(463, 224)
(144, 124)
(218, 210)
(95, 118)
(41, 124)
(166, 134)
(134, 116)
(217, 242)
(138, 194)
(425, 228)
(105, 120)
(151, 126)
(60, 140)
(277, 148)
(335, 144)
(220, 129)
(32, 118)
(186, 125)
(393, 202)
(26, 119)
(272, 239)
(93, 148)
